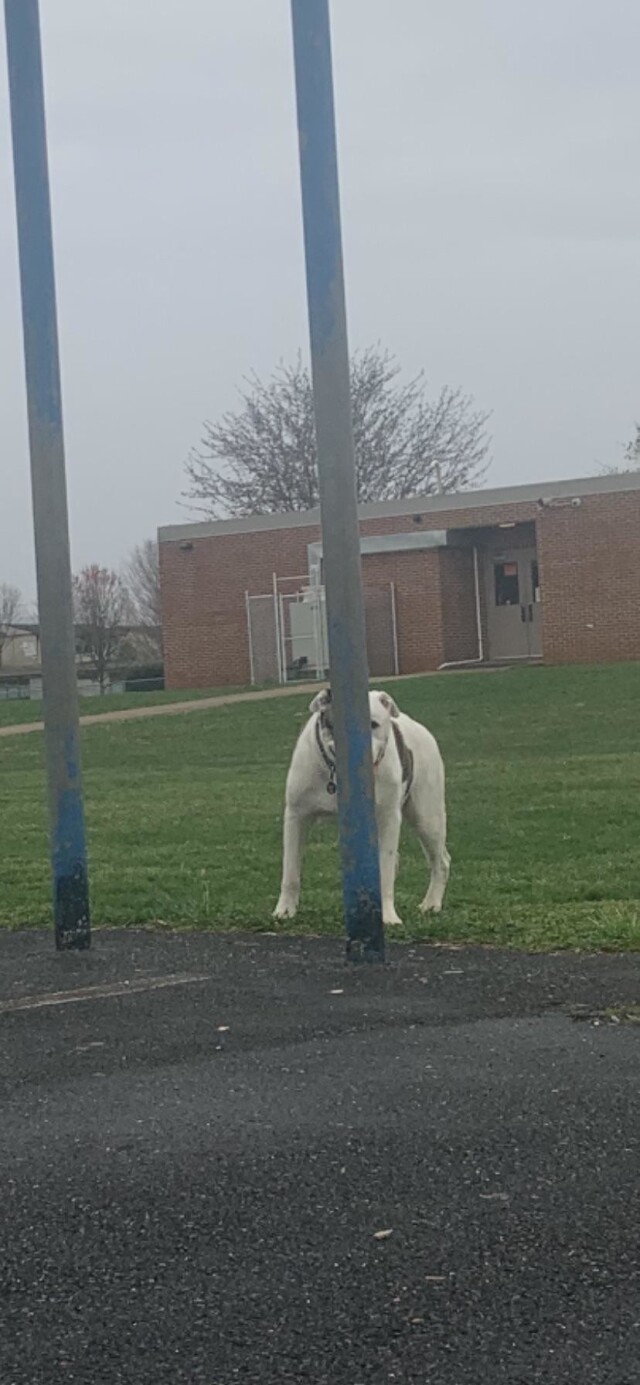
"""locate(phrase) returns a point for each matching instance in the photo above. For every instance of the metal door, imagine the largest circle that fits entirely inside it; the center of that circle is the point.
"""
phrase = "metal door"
(513, 599)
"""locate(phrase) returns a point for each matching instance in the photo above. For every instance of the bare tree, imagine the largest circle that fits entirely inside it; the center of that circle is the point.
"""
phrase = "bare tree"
(102, 616)
(630, 460)
(10, 605)
(262, 458)
(142, 576)
(632, 452)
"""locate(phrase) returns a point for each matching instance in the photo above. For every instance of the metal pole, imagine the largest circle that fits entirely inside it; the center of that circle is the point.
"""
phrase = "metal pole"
(252, 671)
(394, 629)
(276, 616)
(283, 638)
(338, 505)
(44, 404)
(476, 592)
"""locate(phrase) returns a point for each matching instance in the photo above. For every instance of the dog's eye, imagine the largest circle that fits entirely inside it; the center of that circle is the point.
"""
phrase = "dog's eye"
(375, 725)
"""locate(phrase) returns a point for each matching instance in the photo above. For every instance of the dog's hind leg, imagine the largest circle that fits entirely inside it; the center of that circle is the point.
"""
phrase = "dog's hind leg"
(389, 826)
(431, 828)
(295, 828)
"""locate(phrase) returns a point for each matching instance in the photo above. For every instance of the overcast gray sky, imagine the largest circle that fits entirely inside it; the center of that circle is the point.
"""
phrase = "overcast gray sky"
(491, 209)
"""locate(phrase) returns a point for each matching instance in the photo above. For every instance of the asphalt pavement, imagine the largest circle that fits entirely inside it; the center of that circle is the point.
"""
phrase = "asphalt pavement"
(237, 1159)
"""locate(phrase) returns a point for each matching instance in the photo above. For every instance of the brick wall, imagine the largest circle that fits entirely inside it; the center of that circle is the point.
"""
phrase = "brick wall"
(589, 561)
(203, 600)
(416, 578)
(589, 558)
(459, 619)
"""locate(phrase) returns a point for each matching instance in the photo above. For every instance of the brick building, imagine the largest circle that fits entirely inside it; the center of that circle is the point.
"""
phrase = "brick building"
(547, 571)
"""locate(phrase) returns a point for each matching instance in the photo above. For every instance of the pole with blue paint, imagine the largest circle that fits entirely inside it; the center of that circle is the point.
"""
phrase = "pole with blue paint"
(336, 469)
(48, 482)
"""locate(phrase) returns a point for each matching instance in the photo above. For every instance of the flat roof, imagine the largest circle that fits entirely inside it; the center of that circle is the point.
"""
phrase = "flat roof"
(417, 504)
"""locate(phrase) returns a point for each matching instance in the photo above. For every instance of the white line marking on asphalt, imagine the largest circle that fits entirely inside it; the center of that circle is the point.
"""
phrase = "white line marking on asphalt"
(106, 992)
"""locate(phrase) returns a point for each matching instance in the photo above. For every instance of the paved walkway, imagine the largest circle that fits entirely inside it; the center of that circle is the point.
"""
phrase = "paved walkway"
(235, 1159)
(201, 704)
(168, 709)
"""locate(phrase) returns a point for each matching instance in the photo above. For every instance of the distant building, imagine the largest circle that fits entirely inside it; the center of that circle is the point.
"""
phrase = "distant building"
(548, 572)
(21, 659)
(21, 649)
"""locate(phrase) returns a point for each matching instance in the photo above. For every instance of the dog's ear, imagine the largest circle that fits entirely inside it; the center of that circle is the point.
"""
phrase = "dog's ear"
(320, 701)
(391, 706)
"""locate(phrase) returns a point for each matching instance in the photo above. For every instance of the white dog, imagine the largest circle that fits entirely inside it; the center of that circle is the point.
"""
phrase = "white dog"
(409, 780)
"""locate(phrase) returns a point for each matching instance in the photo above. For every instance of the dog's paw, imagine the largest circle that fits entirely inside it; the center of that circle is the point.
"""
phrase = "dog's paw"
(392, 920)
(430, 906)
(285, 909)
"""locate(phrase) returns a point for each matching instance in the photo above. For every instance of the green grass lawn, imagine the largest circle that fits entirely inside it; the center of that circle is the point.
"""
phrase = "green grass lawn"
(184, 814)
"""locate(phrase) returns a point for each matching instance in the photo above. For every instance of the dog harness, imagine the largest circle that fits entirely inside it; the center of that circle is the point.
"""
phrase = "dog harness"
(331, 764)
(406, 759)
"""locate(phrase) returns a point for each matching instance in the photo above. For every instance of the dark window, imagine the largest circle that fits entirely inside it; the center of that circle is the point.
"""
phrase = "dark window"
(507, 591)
(535, 581)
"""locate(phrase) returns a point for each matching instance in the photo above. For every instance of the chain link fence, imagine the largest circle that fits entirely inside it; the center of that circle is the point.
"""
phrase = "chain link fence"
(287, 633)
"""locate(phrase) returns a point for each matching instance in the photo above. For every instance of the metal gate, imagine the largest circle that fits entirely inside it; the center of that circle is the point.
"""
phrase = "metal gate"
(262, 629)
(302, 621)
(287, 631)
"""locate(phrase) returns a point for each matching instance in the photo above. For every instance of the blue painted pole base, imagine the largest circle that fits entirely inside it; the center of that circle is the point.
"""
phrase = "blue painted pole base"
(365, 931)
(71, 912)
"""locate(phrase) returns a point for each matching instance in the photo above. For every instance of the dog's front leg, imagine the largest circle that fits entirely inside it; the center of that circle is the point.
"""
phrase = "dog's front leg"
(389, 824)
(294, 834)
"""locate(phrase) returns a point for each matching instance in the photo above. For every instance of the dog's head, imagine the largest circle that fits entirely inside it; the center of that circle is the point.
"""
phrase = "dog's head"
(382, 709)
(322, 707)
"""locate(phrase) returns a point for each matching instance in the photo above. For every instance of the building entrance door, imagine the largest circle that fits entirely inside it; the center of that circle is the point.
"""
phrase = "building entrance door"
(513, 604)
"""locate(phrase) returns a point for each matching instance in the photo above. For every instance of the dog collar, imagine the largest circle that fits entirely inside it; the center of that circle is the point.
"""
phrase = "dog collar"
(406, 760)
(331, 764)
